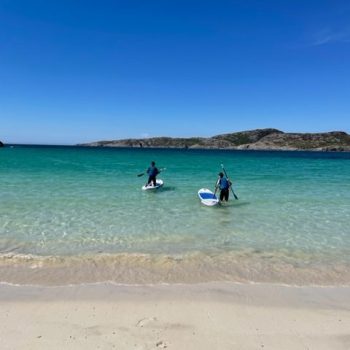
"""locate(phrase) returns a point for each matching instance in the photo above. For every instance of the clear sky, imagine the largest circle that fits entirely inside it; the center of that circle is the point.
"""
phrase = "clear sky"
(78, 70)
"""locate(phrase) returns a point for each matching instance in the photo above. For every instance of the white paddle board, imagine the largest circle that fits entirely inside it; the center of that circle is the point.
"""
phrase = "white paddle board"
(207, 197)
(159, 183)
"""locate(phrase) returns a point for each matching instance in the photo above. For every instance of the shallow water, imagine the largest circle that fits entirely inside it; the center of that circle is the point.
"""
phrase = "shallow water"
(82, 210)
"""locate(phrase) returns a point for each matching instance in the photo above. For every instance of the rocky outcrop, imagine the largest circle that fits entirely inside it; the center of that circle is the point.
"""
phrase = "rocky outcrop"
(1, 144)
(330, 141)
(260, 139)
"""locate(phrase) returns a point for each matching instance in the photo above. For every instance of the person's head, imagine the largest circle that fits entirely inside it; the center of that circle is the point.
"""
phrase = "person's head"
(153, 163)
(221, 174)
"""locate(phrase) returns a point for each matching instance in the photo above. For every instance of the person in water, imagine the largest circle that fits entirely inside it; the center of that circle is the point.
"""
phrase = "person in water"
(152, 173)
(224, 184)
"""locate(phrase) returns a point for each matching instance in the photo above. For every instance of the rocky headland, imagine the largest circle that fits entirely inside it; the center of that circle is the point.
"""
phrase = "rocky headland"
(259, 139)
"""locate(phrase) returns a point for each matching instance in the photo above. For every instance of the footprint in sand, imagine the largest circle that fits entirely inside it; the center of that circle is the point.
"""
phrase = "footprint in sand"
(145, 321)
(161, 344)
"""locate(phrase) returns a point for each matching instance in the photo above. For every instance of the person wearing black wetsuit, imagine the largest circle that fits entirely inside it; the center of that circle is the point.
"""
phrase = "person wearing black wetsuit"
(152, 172)
(224, 184)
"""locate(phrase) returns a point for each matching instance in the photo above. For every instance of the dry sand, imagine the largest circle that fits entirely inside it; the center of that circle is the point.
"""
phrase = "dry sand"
(203, 316)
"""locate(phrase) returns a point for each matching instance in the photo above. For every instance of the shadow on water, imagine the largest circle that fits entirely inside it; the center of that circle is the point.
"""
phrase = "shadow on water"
(167, 188)
(233, 204)
(239, 204)
(222, 206)
(161, 189)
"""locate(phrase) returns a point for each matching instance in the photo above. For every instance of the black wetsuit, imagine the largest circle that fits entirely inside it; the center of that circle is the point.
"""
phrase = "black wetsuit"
(224, 185)
(152, 172)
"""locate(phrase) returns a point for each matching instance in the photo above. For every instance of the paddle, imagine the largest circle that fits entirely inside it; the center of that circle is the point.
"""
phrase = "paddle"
(222, 166)
(160, 170)
(216, 188)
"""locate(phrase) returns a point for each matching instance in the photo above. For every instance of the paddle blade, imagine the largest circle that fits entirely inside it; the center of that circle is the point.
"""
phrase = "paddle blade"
(138, 175)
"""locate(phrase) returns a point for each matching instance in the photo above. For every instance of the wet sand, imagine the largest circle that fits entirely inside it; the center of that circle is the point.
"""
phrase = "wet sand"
(247, 266)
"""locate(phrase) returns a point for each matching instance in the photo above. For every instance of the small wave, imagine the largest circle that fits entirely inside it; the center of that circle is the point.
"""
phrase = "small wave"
(149, 269)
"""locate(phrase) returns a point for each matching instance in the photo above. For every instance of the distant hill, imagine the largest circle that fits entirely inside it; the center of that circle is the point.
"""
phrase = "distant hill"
(1, 144)
(259, 139)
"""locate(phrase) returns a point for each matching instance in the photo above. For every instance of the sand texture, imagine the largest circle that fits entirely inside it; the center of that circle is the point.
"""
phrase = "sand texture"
(203, 316)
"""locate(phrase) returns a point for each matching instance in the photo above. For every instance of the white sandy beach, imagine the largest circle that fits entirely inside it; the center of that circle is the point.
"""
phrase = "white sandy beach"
(202, 316)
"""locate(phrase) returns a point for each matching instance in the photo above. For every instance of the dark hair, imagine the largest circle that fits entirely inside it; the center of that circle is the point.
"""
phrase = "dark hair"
(221, 174)
(153, 163)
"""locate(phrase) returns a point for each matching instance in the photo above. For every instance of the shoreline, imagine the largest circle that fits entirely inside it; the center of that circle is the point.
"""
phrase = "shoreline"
(113, 284)
(191, 268)
(199, 316)
(266, 139)
(228, 149)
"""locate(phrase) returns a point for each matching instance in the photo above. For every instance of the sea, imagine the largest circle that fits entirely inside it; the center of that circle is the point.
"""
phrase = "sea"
(77, 215)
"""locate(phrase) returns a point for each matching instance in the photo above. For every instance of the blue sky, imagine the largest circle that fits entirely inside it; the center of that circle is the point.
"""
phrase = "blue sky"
(76, 71)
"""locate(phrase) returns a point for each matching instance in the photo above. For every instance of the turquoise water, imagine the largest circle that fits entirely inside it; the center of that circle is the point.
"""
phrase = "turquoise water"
(82, 210)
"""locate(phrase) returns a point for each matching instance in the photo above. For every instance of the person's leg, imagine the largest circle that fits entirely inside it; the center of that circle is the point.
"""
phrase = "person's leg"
(151, 180)
(227, 193)
(222, 194)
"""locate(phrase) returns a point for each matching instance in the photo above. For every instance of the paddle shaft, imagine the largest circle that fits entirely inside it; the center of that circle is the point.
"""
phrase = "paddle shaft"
(160, 170)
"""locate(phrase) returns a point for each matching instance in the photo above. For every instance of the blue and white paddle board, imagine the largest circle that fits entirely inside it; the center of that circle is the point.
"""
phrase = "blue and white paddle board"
(207, 197)
(159, 183)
